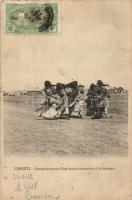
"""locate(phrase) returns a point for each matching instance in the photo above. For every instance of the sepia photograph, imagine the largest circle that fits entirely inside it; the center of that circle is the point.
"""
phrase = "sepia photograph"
(66, 93)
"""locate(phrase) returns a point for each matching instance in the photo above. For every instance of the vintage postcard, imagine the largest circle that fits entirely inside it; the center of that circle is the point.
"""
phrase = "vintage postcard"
(66, 109)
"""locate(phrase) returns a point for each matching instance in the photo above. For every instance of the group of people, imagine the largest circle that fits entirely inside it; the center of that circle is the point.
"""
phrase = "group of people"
(64, 101)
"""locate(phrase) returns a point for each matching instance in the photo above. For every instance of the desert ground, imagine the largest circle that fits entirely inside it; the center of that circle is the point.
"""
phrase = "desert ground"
(24, 134)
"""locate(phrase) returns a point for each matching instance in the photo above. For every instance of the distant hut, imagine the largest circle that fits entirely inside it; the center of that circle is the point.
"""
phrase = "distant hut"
(34, 92)
(33, 96)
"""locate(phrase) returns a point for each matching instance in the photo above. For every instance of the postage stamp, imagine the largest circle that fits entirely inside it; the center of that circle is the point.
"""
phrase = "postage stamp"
(31, 18)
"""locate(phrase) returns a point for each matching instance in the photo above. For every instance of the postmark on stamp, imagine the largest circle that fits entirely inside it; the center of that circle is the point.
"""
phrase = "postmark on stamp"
(32, 18)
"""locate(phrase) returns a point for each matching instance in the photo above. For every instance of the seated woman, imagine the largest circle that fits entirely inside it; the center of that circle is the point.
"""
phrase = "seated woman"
(49, 91)
(51, 102)
(62, 108)
(76, 99)
(78, 107)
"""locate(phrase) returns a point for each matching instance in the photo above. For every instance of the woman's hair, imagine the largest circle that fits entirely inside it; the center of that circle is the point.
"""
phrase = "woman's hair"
(47, 84)
(59, 87)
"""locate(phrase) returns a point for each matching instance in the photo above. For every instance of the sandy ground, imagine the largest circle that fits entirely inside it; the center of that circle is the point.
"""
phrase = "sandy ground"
(24, 134)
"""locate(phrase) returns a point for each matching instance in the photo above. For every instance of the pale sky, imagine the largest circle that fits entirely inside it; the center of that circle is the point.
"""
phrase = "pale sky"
(94, 43)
